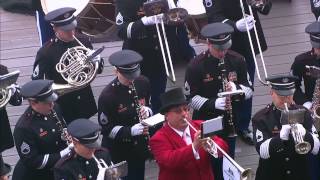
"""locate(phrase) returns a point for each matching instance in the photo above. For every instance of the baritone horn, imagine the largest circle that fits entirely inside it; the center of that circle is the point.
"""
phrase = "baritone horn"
(76, 66)
(212, 148)
(172, 16)
(256, 4)
(6, 91)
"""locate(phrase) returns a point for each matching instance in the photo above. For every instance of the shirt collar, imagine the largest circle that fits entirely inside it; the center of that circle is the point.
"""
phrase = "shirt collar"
(180, 133)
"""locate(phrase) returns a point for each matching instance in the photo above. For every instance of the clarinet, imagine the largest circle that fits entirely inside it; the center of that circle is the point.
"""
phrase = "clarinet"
(62, 125)
(138, 107)
(230, 127)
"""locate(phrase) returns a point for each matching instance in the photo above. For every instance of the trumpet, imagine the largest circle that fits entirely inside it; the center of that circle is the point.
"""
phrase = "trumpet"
(212, 148)
(255, 3)
(301, 146)
(77, 68)
(112, 172)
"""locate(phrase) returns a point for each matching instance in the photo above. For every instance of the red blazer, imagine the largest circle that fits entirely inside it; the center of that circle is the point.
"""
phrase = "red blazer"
(175, 158)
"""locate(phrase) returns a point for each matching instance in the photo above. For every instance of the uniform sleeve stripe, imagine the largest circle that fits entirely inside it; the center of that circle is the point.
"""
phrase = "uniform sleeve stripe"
(197, 102)
(247, 91)
(114, 132)
(129, 30)
(316, 145)
(44, 161)
(264, 149)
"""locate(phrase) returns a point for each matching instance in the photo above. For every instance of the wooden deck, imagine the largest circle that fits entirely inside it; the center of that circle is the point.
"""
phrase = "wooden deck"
(283, 28)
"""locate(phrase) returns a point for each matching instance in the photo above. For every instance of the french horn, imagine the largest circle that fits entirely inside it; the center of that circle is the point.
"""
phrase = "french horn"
(5, 87)
(77, 68)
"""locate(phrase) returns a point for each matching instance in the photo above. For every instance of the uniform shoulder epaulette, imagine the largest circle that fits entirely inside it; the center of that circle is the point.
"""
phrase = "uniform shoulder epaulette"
(303, 56)
(48, 43)
(46, 46)
(235, 54)
(199, 57)
(64, 159)
(263, 111)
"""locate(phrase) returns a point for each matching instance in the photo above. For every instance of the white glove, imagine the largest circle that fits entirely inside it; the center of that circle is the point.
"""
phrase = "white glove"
(137, 129)
(284, 132)
(241, 23)
(96, 58)
(145, 112)
(247, 91)
(151, 20)
(233, 86)
(300, 130)
(307, 104)
(71, 146)
(13, 87)
(66, 150)
(220, 103)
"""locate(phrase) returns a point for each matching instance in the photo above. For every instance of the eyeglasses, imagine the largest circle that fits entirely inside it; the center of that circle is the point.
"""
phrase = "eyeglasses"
(180, 109)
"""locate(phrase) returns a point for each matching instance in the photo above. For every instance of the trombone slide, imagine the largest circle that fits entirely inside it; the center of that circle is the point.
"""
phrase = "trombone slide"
(246, 174)
(251, 45)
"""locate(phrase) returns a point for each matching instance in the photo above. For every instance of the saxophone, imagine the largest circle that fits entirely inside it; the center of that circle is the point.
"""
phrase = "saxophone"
(228, 116)
(315, 108)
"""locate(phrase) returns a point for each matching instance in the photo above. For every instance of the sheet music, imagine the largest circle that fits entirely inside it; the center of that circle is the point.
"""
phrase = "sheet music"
(230, 172)
(153, 120)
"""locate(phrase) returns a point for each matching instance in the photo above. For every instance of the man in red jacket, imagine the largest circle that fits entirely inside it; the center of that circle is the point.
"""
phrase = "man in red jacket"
(177, 148)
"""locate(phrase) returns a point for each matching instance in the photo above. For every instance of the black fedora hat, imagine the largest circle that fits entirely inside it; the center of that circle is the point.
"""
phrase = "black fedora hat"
(172, 98)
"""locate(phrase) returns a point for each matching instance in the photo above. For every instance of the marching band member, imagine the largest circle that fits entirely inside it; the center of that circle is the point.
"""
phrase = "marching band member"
(38, 134)
(121, 105)
(204, 79)
(229, 11)
(177, 148)
(298, 68)
(80, 163)
(139, 34)
(5, 132)
(79, 103)
(274, 144)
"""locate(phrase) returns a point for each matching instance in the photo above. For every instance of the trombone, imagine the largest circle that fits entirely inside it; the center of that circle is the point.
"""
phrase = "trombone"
(212, 147)
(172, 17)
(257, 3)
